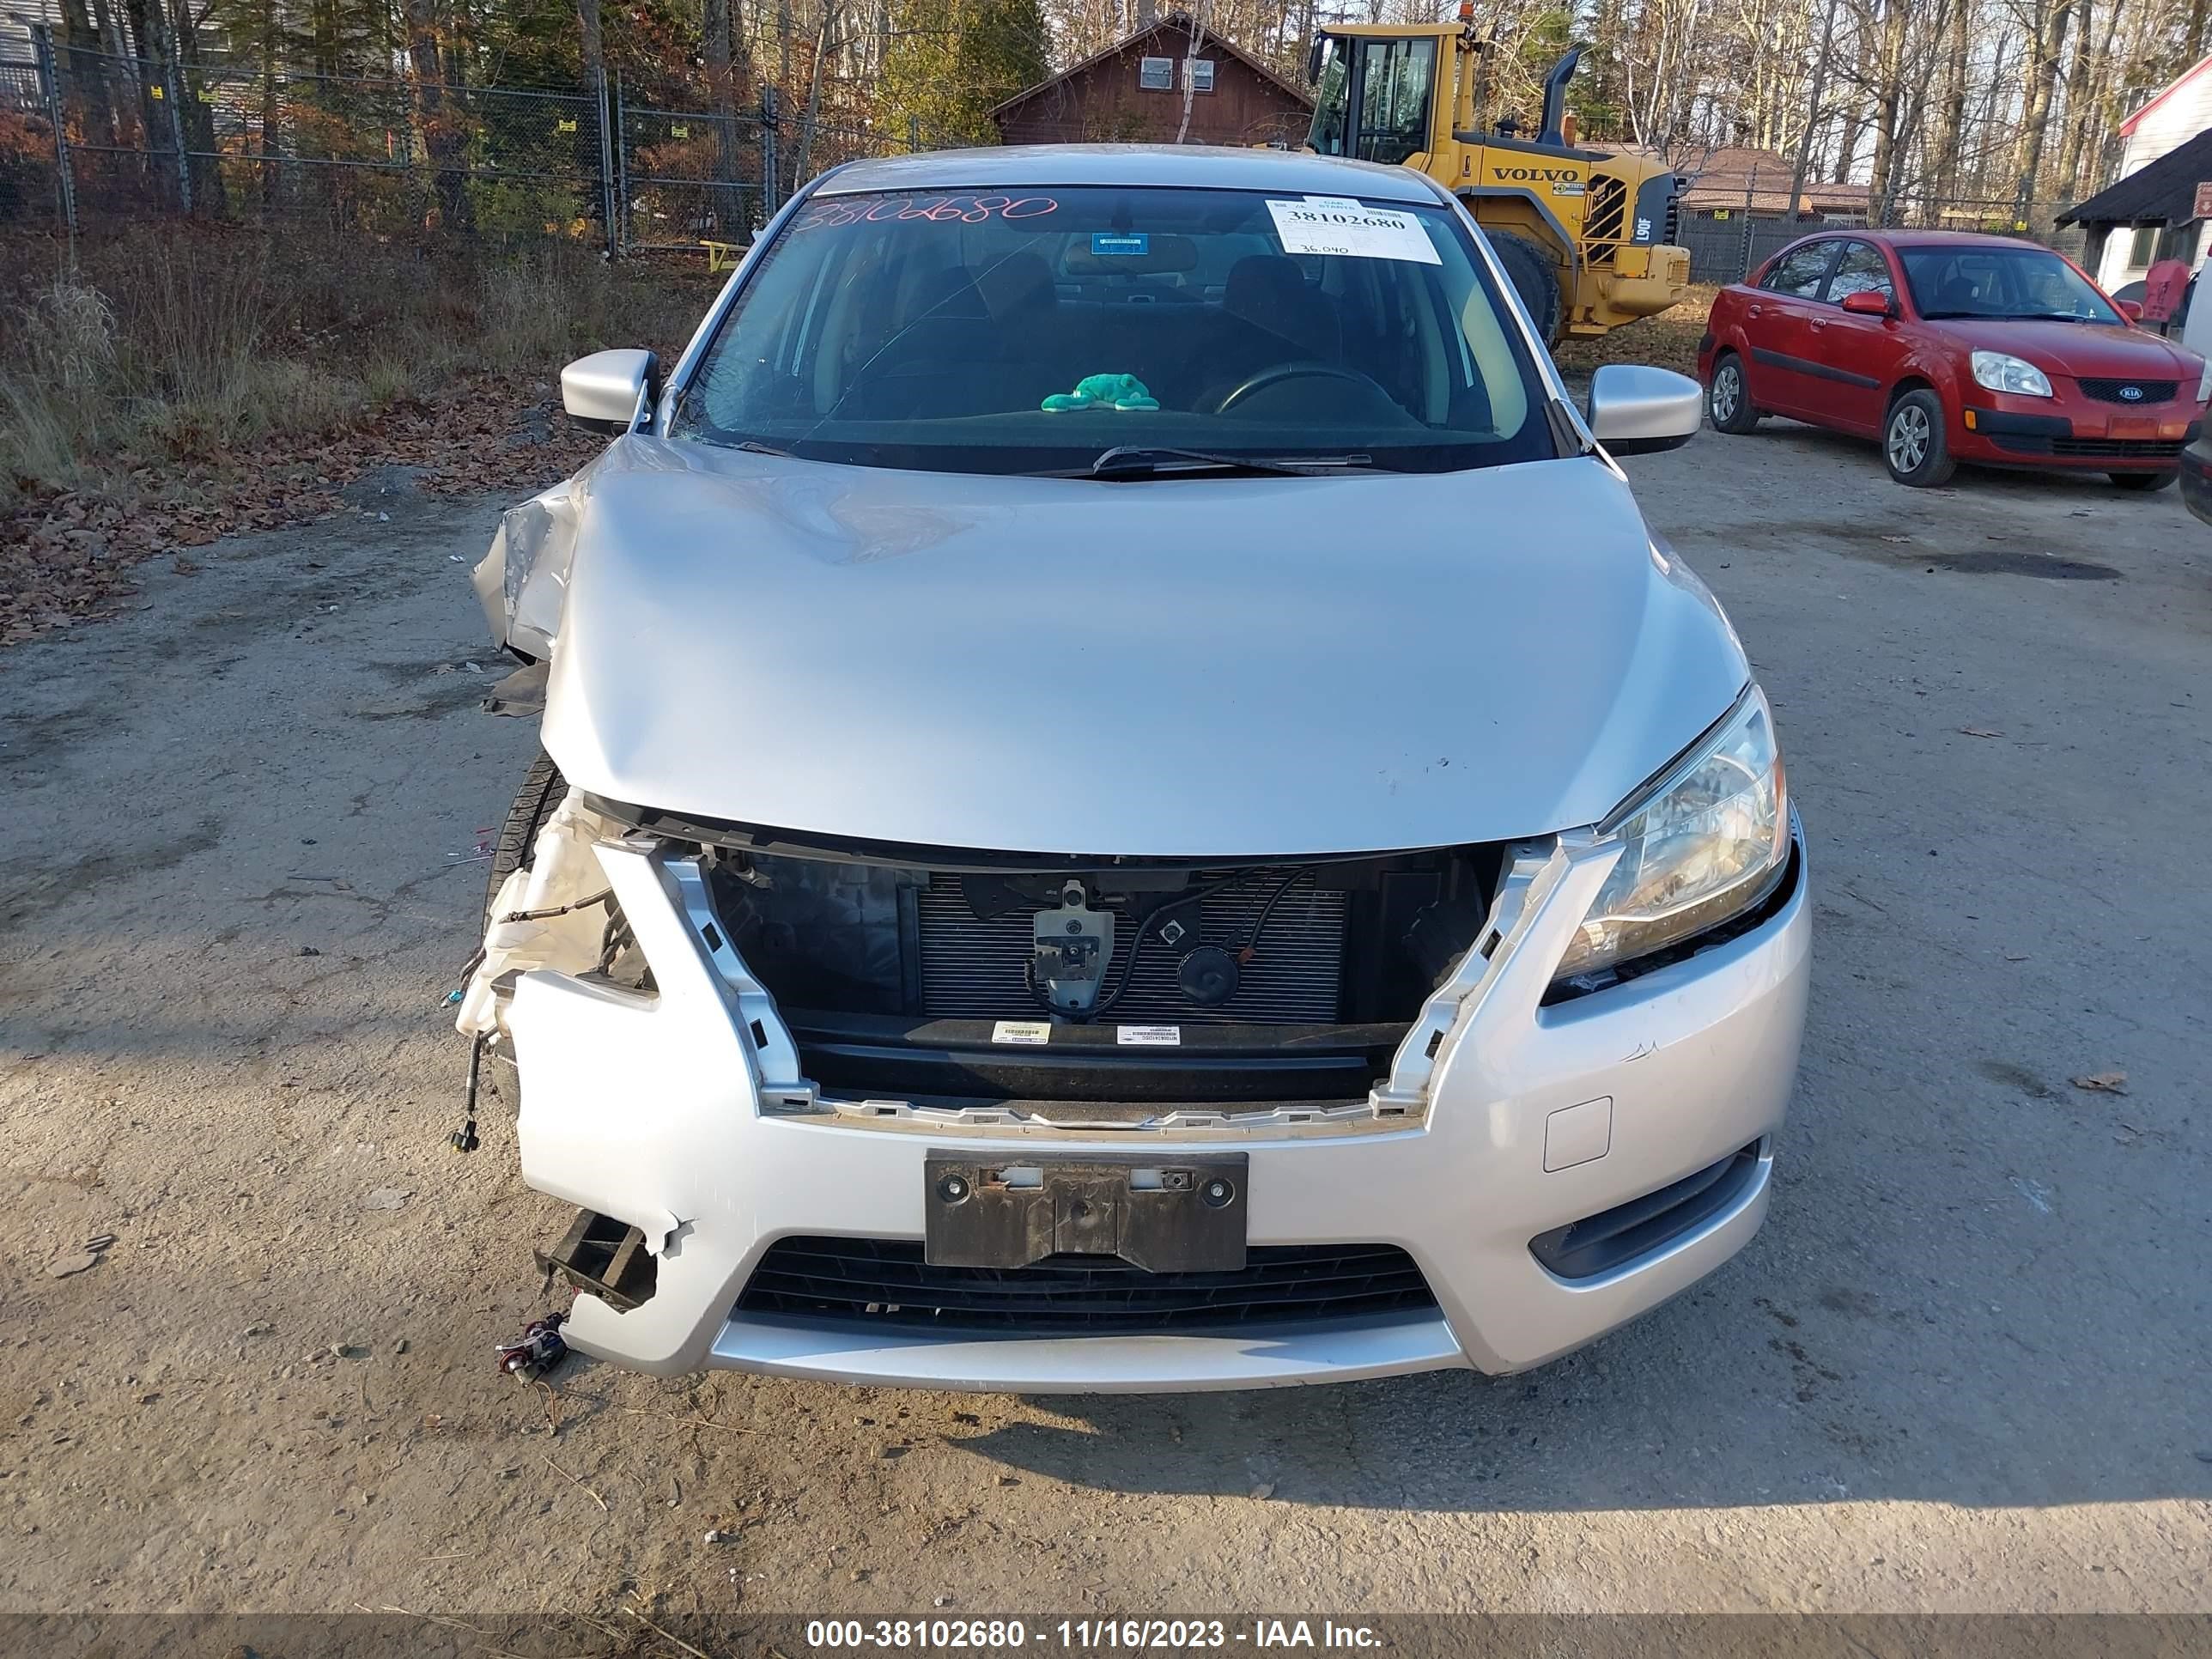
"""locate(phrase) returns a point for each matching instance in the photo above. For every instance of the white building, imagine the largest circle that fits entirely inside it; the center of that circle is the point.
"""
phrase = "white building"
(2149, 214)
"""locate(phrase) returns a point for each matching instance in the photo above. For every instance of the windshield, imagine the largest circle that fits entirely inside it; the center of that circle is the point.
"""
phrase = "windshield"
(1035, 329)
(2000, 282)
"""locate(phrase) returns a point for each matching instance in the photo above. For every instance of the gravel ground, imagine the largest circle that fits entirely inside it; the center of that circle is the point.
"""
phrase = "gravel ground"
(1963, 1368)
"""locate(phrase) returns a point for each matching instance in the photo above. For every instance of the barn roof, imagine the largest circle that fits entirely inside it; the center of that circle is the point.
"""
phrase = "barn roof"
(1181, 24)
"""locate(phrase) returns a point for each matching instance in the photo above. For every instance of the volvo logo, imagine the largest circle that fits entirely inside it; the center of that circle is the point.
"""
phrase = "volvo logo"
(2131, 393)
(1534, 175)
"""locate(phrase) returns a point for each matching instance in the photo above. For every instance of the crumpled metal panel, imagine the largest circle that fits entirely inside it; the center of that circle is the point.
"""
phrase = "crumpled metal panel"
(563, 871)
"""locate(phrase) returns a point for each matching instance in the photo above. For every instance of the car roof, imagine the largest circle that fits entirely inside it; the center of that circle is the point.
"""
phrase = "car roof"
(1945, 239)
(1033, 167)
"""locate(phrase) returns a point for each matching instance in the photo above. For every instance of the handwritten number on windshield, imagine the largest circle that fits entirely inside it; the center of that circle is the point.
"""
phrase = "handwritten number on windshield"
(943, 211)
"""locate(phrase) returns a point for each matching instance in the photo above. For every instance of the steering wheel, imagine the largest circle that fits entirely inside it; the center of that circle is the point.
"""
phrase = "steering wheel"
(1304, 369)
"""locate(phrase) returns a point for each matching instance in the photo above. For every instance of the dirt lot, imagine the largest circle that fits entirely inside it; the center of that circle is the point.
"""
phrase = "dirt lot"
(1964, 1367)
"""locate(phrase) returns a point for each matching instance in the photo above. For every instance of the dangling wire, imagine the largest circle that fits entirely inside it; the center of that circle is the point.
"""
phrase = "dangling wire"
(1251, 946)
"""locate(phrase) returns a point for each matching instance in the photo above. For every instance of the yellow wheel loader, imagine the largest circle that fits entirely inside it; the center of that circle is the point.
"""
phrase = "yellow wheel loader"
(1588, 238)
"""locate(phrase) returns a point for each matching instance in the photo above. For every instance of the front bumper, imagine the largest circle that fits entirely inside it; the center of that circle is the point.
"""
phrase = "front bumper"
(2071, 431)
(682, 1113)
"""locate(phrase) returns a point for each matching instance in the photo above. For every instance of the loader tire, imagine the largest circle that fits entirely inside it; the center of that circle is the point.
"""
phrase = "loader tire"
(1534, 278)
(543, 786)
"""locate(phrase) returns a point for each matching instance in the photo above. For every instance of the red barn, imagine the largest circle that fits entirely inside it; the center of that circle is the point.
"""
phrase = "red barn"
(1132, 92)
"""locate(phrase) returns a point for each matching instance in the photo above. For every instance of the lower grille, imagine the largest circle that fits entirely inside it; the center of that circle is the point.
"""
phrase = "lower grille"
(2112, 449)
(2115, 391)
(886, 1282)
(973, 969)
(2119, 449)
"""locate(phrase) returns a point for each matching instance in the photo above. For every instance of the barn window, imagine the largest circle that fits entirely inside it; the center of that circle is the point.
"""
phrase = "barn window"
(2145, 246)
(1201, 74)
(1156, 74)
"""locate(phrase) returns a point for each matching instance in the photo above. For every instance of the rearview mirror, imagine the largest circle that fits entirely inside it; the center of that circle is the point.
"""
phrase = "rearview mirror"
(606, 390)
(2130, 309)
(1867, 302)
(1635, 410)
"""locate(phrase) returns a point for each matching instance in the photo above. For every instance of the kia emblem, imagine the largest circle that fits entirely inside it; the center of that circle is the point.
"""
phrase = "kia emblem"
(2132, 393)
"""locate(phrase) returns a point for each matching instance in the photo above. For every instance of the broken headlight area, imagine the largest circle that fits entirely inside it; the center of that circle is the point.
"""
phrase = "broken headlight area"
(962, 980)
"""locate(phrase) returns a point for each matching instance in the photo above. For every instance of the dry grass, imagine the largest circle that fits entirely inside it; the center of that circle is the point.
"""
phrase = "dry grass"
(180, 386)
(180, 347)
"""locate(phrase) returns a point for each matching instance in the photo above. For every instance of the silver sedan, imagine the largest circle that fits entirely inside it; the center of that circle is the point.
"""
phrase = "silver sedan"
(1129, 802)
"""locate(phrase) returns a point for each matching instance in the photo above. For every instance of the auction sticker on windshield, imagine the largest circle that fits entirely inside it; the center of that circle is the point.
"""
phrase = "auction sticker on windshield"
(1336, 224)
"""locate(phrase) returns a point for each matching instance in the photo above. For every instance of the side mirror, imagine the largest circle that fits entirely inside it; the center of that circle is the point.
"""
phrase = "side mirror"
(1635, 410)
(2130, 309)
(1866, 303)
(607, 390)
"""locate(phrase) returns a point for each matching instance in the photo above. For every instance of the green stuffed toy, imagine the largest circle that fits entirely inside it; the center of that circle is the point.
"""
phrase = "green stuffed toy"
(1105, 391)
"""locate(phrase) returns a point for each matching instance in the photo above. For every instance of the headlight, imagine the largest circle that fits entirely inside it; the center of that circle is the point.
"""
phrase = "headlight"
(1706, 841)
(2000, 371)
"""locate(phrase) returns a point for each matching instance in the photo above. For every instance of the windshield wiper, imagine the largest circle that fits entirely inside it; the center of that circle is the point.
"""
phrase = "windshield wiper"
(754, 447)
(1165, 461)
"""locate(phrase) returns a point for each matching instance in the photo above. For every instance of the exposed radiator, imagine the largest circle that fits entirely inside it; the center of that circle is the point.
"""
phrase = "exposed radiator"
(973, 969)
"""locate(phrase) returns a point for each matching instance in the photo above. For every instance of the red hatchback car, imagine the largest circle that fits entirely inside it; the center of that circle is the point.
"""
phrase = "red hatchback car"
(1951, 347)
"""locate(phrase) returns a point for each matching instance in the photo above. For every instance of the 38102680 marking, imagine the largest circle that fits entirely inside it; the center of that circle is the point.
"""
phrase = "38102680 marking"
(942, 210)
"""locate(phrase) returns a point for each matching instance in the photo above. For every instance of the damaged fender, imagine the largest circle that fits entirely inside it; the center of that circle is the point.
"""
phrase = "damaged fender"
(522, 583)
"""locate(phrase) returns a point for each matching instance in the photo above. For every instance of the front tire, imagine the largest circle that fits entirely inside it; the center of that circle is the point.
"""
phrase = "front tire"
(543, 788)
(1728, 400)
(1534, 278)
(1913, 447)
(2141, 483)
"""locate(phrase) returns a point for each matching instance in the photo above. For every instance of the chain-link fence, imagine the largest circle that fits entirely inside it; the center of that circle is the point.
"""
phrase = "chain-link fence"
(90, 141)
(1733, 223)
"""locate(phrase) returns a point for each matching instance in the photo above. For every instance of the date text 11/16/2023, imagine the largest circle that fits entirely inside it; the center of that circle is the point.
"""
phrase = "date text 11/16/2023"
(1086, 1635)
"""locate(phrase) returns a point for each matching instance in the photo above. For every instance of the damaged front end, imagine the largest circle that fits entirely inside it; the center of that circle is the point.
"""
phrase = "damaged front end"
(661, 981)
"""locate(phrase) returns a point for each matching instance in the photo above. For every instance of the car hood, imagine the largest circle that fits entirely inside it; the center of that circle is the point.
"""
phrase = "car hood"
(2076, 348)
(1172, 668)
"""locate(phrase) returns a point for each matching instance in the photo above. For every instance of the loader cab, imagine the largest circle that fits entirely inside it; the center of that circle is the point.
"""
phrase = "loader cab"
(1390, 92)
(1375, 96)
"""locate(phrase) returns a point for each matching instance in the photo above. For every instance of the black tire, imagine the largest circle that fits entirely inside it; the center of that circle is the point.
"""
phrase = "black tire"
(1534, 278)
(543, 786)
(1913, 447)
(1728, 400)
(2143, 483)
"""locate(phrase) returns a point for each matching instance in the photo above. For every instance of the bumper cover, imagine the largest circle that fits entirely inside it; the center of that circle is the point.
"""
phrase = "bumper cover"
(682, 1114)
(2083, 435)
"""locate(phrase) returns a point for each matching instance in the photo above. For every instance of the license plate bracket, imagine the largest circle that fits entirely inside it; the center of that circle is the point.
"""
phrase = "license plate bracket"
(1162, 1212)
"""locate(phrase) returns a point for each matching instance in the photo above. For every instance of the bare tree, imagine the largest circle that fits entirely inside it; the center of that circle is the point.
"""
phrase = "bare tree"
(1190, 70)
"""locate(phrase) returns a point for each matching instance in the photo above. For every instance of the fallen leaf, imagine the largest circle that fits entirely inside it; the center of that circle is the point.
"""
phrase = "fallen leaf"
(2104, 1083)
